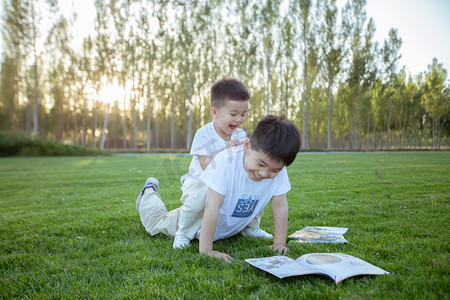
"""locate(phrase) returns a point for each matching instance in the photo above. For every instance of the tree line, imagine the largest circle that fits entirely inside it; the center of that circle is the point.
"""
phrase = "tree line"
(304, 59)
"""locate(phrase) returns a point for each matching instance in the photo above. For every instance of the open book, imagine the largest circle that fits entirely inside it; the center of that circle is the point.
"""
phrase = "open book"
(338, 266)
(320, 235)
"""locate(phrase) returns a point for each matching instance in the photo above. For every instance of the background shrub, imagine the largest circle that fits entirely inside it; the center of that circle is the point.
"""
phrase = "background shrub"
(18, 143)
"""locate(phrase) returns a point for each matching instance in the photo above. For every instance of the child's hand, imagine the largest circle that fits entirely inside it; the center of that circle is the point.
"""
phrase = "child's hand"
(280, 248)
(220, 255)
(233, 143)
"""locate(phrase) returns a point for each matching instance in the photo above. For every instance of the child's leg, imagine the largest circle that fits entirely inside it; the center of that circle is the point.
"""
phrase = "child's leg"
(256, 221)
(253, 229)
(154, 215)
(191, 215)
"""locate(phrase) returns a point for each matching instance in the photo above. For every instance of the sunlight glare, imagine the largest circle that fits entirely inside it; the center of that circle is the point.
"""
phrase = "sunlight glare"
(111, 92)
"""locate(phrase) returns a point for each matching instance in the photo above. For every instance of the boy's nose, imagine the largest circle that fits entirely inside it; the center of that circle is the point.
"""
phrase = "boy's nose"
(263, 173)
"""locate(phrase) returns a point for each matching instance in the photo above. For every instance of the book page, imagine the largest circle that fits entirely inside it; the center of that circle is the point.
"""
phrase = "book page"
(280, 266)
(338, 266)
(320, 234)
(340, 240)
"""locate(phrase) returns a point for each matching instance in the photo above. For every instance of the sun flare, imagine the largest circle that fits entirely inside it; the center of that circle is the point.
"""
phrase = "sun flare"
(111, 92)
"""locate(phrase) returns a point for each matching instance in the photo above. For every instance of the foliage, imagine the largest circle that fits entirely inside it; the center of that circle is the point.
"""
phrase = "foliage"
(69, 229)
(294, 56)
(21, 144)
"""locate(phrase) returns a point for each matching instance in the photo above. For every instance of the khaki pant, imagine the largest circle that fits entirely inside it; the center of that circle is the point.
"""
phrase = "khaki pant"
(185, 220)
(194, 200)
(154, 215)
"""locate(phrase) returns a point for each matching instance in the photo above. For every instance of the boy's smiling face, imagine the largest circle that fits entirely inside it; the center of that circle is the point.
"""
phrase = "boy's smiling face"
(229, 117)
(259, 165)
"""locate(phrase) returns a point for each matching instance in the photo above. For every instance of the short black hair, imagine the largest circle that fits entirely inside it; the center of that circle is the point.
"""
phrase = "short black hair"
(228, 89)
(276, 137)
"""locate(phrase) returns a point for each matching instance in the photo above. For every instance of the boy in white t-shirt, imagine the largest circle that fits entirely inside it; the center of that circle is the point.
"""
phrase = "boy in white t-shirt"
(241, 182)
(229, 103)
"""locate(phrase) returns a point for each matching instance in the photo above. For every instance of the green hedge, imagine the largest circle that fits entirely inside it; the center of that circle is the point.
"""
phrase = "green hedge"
(18, 143)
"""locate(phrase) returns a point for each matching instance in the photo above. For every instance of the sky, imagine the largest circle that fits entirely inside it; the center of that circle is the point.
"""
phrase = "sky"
(423, 26)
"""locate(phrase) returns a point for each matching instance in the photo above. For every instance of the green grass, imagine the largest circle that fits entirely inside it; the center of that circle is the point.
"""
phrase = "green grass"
(69, 229)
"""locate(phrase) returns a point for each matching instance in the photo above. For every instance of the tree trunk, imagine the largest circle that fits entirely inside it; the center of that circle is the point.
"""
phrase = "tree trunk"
(189, 129)
(75, 127)
(282, 99)
(268, 84)
(389, 122)
(374, 125)
(157, 132)
(368, 132)
(133, 108)
(329, 115)
(35, 102)
(35, 108)
(403, 131)
(94, 143)
(84, 122)
(433, 124)
(124, 125)
(149, 107)
(314, 128)
(200, 112)
(28, 117)
(287, 98)
(172, 120)
(356, 116)
(349, 137)
(440, 130)
(105, 126)
(115, 122)
(304, 114)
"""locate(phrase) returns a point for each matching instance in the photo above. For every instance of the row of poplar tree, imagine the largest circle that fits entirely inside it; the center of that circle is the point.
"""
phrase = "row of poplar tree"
(317, 65)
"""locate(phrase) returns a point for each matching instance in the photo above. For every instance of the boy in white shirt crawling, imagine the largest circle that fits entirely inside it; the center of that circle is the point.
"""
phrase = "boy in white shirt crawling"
(241, 181)
(229, 103)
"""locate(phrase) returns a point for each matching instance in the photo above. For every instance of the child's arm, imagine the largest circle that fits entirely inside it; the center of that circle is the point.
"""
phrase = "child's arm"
(280, 211)
(214, 201)
(206, 160)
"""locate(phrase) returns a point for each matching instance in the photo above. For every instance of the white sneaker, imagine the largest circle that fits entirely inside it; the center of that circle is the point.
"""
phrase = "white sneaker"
(256, 232)
(181, 241)
(150, 182)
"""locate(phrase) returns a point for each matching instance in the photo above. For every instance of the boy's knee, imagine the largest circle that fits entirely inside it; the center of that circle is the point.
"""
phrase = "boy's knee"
(200, 209)
(195, 209)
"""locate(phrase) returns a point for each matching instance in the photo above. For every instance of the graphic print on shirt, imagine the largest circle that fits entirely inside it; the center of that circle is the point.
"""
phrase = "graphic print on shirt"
(245, 206)
(208, 146)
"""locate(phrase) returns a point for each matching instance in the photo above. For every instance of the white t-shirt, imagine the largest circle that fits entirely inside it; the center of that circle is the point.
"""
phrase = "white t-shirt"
(244, 198)
(207, 142)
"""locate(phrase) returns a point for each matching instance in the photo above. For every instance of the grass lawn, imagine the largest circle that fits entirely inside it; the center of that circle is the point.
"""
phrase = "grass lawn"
(69, 229)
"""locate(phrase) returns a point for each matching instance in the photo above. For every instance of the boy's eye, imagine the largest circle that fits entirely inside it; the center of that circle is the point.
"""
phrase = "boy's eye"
(233, 115)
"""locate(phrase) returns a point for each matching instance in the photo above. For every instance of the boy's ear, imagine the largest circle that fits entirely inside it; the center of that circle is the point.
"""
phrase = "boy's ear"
(213, 112)
(246, 144)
